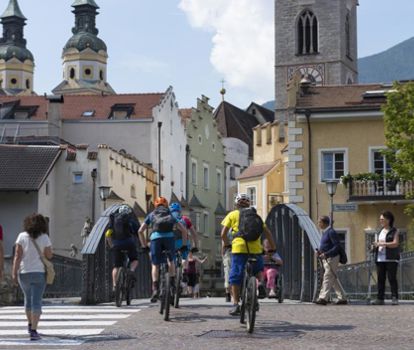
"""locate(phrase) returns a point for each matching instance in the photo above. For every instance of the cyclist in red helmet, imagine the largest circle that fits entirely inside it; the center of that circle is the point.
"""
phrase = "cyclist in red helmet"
(162, 239)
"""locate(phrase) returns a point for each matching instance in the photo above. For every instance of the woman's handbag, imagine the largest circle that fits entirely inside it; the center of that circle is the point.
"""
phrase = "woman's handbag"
(50, 270)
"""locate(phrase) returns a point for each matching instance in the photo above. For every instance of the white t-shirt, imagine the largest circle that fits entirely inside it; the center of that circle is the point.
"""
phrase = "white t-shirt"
(382, 257)
(31, 261)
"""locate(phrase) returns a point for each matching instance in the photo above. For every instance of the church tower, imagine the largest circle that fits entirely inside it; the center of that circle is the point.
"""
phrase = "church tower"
(16, 61)
(317, 41)
(84, 55)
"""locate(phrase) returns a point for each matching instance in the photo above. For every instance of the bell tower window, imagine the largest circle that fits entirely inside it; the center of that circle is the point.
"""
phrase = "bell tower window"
(72, 73)
(307, 33)
(348, 36)
(13, 81)
(88, 71)
(101, 75)
(27, 84)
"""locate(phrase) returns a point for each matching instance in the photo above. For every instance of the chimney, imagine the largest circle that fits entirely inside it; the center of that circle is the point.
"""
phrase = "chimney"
(54, 116)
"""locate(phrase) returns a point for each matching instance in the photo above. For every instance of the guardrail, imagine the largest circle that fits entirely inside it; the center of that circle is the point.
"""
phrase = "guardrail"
(354, 278)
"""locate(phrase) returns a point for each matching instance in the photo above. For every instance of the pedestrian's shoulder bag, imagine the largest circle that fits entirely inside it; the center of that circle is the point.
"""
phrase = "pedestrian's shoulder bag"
(50, 270)
(343, 258)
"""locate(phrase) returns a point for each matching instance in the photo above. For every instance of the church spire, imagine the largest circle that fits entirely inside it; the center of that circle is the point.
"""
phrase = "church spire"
(16, 74)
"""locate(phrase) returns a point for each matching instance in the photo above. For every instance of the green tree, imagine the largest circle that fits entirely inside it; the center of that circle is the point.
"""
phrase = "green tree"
(399, 136)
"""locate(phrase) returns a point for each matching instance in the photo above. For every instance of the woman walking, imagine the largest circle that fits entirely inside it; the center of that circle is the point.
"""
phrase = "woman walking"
(387, 256)
(29, 270)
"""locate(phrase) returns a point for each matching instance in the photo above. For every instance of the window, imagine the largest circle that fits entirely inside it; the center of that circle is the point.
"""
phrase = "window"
(348, 36)
(101, 75)
(206, 179)
(78, 177)
(133, 192)
(13, 81)
(379, 164)
(88, 72)
(213, 146)
(181, 181)
(258, 136)
(219, 181)
(269, 134)
(47, 188)
(232, 173)
(27, 84)
(205, 224)
(72, 73)
(200, 140)
(251, 192)
(307, 33)
(194, 172)
(172, 175)
(332, 165)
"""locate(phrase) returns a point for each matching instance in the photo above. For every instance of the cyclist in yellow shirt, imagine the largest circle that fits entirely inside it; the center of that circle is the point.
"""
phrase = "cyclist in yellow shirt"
(241, 250)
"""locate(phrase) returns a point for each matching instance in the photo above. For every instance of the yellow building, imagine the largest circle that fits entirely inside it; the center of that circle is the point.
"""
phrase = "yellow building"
(264, 180)
(337, 131)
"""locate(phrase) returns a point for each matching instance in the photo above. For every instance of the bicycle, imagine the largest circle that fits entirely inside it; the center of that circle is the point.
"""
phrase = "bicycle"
(249, 301)
(124, 284)
(165, 288)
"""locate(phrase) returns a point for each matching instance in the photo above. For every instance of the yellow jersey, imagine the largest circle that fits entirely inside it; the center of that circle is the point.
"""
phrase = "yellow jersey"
(238, 245)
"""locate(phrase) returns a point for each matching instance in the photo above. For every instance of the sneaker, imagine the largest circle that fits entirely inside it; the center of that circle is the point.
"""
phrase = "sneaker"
(235, 310)
(378, 302)
(34, 335)
(394, 301)
(321, 302)
(154, 296)
(341, 302)
(228, 297)
(262, 291)
(272, 294)
(29, 328)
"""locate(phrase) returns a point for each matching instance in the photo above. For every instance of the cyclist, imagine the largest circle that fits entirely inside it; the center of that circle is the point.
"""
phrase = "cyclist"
(175, 209)
(162, 238)
(241, 250)
(123, 226)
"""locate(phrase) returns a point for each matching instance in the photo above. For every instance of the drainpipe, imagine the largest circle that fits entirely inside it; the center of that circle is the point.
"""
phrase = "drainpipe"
(159, 158)
(187, 173)
(93, 175)
(308, 116)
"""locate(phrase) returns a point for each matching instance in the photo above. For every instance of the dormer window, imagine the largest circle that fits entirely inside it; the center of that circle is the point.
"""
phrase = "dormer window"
(122, 111)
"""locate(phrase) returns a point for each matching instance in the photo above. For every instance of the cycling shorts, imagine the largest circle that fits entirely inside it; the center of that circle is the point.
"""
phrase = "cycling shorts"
(238, 263)
(118, 256)
(160, 244)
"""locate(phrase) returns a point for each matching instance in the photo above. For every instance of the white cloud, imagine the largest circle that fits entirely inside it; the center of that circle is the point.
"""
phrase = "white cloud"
(243, 41)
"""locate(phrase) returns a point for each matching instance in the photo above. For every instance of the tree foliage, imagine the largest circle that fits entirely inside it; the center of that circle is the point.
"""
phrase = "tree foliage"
(399, 129)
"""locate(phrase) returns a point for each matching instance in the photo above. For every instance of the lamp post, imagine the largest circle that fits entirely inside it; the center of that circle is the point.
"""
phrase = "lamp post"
(331, 188)
(159, 158)
(94, 174)
(104, 194)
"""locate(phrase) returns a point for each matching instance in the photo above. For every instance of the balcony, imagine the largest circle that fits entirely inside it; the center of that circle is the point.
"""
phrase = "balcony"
(381, 189)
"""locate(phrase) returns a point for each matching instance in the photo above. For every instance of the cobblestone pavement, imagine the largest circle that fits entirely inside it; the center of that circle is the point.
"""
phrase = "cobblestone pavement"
(205, 324)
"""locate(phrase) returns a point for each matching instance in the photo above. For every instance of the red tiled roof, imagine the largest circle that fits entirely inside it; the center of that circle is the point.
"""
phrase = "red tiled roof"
(75, 105)
(340, 96)
(256, 170)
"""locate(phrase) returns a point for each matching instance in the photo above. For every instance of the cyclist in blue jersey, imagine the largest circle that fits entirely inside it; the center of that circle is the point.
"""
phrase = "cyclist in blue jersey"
(162, 239)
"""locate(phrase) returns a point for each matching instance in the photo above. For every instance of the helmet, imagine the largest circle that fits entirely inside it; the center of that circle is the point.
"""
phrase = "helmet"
(241, 197)
(124, 209)
(161, 201)
(175, 207)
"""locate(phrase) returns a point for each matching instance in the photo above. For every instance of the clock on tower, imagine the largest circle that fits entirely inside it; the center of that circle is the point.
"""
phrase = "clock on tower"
(315, 73)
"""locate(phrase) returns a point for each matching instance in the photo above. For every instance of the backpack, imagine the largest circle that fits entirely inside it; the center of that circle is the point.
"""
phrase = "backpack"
(250, 224)
(120, 226)
(343, 258)
(163, 221)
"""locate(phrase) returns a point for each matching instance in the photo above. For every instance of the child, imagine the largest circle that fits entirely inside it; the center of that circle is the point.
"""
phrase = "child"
(271, 262)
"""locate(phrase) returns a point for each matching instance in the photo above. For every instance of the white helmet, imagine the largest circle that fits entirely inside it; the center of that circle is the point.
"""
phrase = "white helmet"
(241, 197)
(124, 209)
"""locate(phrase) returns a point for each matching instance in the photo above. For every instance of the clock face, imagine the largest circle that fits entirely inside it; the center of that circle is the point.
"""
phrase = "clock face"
(315, 73)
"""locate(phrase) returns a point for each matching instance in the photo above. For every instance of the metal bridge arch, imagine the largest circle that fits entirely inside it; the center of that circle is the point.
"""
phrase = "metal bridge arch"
(296, 238)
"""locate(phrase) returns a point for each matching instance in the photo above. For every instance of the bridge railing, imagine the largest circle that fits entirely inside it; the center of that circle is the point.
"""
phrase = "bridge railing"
(354, 278)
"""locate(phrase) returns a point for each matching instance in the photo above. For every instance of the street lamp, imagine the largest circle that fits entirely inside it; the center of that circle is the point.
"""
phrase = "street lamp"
(104, 193)
(331, 185)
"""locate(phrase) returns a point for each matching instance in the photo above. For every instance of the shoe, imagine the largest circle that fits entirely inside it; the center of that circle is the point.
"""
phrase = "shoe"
(228, 297)
(34, 335)
(378, 302)
(235, 311)
(394, 301)
(29, 328)
(321, 302)
(262, 291)
(272, 294)
(341, 302)
(154, 296)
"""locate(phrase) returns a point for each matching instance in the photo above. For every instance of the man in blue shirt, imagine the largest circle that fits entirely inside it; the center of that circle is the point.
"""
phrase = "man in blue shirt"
(329, 253)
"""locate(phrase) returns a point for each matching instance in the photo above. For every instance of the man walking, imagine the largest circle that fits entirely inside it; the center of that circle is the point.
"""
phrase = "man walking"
(329, 253)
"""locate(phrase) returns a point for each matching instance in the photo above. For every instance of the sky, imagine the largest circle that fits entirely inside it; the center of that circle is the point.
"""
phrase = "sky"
(192, 45)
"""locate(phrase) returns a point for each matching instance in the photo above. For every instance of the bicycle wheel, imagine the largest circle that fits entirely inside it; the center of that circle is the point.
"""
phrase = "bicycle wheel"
(167, 296)
(251, 303)
(280, 287)
(243, 298)
(128, 290)
(119, 286)
(162, 291)
(178, 279)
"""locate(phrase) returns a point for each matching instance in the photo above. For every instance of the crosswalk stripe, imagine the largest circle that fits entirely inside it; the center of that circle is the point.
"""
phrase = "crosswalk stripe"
(11, 324)
(57, 311)
(68, 317)
(50, 331)
(44, 342)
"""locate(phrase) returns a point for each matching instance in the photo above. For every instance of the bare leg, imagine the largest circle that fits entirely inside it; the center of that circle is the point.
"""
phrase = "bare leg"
(235, 292)
(35, 320)
(114, 273)
(154, 272)
(134, 265)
